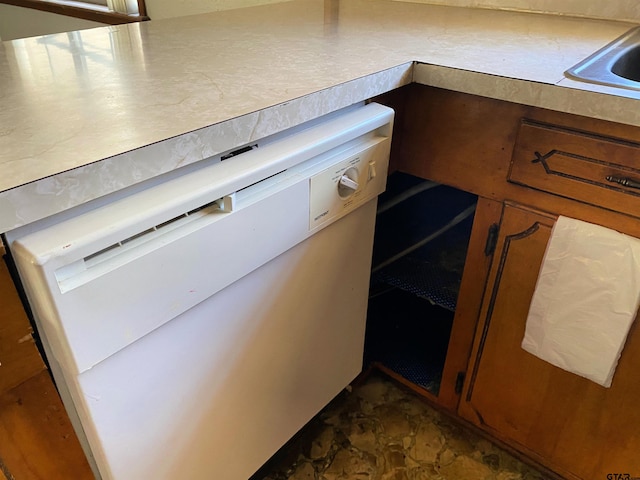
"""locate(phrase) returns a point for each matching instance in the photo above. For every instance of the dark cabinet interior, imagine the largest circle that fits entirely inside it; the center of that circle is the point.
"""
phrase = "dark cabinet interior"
(420, 246)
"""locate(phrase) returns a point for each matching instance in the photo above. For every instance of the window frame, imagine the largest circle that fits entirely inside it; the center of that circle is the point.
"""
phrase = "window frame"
(92, 11)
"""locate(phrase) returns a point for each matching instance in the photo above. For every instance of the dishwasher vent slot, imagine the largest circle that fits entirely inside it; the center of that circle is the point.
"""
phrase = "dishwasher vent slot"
(148, 234)
(78, 273)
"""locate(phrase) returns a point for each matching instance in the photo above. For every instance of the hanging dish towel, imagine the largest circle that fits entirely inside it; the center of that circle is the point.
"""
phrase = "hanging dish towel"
(585, 300)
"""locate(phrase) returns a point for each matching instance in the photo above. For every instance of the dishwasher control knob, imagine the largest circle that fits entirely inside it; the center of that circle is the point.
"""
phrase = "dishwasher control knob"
(348, 183)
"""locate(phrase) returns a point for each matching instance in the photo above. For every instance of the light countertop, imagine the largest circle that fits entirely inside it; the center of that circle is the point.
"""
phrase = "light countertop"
(90, 112)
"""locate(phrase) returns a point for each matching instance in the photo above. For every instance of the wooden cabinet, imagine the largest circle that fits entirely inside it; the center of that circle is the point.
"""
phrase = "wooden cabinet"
(578, 165)
(535, 165)
(19, 357)
(574, 426)
(36, 437)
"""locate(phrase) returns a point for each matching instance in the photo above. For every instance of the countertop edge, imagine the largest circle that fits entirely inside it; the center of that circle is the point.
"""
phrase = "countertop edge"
(68, 189)
(566, 96)
(71, 188)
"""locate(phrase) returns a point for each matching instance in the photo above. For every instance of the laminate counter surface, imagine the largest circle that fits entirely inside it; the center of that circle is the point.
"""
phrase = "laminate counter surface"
(90, 112)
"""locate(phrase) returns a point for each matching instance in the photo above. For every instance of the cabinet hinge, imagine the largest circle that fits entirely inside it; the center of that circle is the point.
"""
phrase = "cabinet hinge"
(492, 240)
(459, 383)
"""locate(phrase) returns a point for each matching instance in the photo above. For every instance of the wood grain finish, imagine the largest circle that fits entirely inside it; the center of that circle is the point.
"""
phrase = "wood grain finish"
(37, 441)
(426, 144)
(560, 420)
(567, 422)
(459, 140)
(19, 357)
(472, 288)
(467, 142)
(576, 164)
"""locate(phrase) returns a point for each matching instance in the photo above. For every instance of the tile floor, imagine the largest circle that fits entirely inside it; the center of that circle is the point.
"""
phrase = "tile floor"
(382, 431)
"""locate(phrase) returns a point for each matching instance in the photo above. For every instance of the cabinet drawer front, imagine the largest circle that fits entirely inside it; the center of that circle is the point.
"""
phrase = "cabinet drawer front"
(576, 165)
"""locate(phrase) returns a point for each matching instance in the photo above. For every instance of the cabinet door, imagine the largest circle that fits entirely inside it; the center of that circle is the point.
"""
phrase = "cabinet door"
(572, 425)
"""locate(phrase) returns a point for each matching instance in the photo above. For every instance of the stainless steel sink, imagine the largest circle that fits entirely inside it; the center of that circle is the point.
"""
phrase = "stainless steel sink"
(617, 64)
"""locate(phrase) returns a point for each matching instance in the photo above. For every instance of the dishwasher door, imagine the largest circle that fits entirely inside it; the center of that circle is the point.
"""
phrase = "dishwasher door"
(193, 327)
(215, 392)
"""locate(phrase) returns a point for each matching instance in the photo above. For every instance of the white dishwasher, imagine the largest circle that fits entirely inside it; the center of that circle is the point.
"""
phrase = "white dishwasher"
(193, 326)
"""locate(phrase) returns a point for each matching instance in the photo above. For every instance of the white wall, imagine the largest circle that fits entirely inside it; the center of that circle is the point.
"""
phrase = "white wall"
(19, 22)
(626, 10)
(157, 9)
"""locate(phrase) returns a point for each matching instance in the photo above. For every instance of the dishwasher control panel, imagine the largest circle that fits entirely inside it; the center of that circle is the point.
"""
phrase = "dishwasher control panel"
(348, 183)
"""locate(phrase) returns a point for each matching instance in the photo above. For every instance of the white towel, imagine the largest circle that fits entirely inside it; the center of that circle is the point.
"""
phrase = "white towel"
(585, 300)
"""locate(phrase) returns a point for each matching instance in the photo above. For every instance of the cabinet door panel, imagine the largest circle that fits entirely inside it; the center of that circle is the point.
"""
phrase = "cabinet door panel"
(570, 424)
